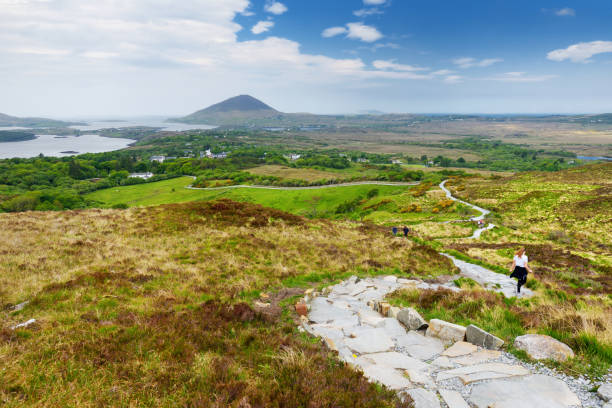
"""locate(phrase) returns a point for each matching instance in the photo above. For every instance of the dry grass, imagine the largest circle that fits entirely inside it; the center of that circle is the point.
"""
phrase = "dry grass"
(151, 306)
(289, 173)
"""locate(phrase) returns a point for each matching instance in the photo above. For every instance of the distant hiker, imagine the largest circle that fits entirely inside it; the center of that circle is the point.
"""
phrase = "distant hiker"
(520, 268)
(394, 231)
(406, 231)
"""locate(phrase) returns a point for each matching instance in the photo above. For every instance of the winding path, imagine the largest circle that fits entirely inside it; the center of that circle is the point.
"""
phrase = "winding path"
(483, 212)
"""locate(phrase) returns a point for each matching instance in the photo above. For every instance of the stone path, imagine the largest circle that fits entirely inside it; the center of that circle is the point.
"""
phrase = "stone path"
(483, 212)
(488, 279)
(422, 366)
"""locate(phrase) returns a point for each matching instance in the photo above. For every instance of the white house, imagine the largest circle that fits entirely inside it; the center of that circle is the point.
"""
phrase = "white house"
(144, 176)
(295, 157)
(159, 159)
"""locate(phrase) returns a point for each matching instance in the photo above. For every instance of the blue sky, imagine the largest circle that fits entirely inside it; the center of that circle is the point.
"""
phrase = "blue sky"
(83, 57)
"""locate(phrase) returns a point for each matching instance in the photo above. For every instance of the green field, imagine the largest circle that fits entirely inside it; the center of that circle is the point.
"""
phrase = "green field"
(384, 207)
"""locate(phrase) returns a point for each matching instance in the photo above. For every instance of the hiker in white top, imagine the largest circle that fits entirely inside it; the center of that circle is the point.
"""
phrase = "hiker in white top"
(520, 268)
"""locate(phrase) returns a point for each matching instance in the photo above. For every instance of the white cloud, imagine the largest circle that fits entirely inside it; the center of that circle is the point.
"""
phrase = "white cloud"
(453, 79)
(469, 62)
(520, 77)
(365, 33)
(364, 12)
(565, 12)
(374, 2)
(262, 27)
(275, 7)
(333, 31)
(443, 72)
(581, 52)
(99, 54)
(392, 65)
(355, 31)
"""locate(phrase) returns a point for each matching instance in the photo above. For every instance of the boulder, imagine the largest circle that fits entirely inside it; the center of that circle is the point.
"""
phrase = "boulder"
(479, 337)
(541, 347)
(394, 311)
(412, 319)
(445, 330)
(605, 392)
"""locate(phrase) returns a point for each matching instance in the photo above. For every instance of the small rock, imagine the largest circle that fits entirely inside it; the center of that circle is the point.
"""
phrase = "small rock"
(25, 324)
(261, 305)
(605, 392)
(383, 308)
(479, 337)
(412, 319)
(460, 348)
(541, 347)
(392, 279)
(308, 291)
(393, 311)
(445, 330)
(264, 296)
(301, 309)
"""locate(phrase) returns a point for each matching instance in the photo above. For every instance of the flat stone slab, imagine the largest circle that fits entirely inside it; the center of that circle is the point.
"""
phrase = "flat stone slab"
(541, 347)
(394, 360)
(453, 399)
(443, 362)
(322, 311)
(370, 340)
(478, 357)
(460, 348)
(420, 378)
(392, 379)
(370, 317)
(534, 391)
(392, 327)
(605, 392)
(419, 346)
(423, 398)
(480, 372)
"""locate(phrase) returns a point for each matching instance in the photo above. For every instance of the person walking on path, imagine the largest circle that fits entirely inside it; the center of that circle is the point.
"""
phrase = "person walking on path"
(520, 269)
(394, 231)
(406, 231)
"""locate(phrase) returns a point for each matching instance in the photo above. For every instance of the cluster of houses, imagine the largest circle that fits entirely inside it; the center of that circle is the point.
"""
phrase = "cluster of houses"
(188, 154)
(210, 155)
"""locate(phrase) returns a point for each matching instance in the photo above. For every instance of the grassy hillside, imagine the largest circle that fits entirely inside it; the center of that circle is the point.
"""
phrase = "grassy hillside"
(378, 203)
(158, 306)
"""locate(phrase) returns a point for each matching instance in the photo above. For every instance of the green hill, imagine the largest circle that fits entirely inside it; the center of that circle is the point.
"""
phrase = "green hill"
(7, 120)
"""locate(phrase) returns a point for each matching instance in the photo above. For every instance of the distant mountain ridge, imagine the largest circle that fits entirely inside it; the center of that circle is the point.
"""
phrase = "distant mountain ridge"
(241, 103)
(7, 120)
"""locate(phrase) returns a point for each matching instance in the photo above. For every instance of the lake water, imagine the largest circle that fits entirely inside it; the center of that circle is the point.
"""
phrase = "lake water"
(594, 158)
(150, 122)
(50, 145)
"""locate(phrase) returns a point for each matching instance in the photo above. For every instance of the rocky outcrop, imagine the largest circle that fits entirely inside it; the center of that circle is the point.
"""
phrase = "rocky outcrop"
(479, 337)
(445, 330)
(541, 347)
(412, 319)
